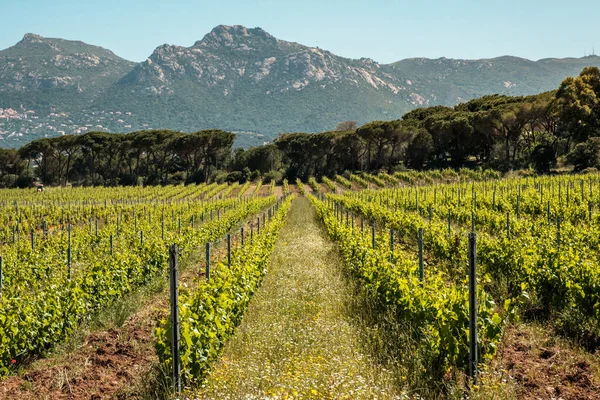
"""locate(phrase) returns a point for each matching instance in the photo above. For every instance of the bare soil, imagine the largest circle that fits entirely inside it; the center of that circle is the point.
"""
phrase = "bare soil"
(545, 367)
(279, 191)
(249, 191)
(109, 364)
(264, 190)
(235, 192)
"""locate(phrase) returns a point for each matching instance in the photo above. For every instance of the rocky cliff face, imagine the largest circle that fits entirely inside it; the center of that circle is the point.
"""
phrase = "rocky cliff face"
(230, 56)
(240, 79)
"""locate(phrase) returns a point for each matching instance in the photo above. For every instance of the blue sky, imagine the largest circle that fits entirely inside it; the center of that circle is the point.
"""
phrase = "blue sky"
(386, 31)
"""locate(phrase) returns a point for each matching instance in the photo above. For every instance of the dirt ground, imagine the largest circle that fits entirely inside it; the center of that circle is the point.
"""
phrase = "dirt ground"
(279, 191)
(546, 367)
(109, 365)
(249, 191)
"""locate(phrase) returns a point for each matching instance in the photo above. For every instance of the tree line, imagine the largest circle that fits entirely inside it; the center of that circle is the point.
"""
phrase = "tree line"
(100, 158)
(500, 132)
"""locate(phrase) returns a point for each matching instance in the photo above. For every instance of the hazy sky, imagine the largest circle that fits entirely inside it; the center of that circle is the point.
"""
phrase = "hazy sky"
(386, 31)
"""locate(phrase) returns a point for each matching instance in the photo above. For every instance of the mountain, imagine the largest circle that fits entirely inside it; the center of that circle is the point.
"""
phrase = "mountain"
(448, 82)
(238, 79)
(246, 80)
(43, 73)
(49, 84)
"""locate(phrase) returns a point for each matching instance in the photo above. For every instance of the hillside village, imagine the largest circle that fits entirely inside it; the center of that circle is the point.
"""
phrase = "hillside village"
(15, 124)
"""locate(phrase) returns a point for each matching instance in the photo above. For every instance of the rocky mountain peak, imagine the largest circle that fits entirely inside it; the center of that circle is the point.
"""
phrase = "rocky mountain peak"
(228, 32)
(234, 36)
(32, 38)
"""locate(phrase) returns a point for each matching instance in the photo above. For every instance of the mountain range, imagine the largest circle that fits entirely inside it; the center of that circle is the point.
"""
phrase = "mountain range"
(242, 80)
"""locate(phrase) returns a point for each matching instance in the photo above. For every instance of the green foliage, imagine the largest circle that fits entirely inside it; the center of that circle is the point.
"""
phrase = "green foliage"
(544, 268)
(41, 305)
(262, 158)
(210, 312)
(438, 312)
(419, 150)
(585, 155)
(286, 187)
(158, 157)
(58, 76)
(391, 180)
(501, 131)
(273, 177)
(363, 183)
(373, 179)
(578, 102)
(329, 183)
(301, 187)
(543, 158)
(314, 184)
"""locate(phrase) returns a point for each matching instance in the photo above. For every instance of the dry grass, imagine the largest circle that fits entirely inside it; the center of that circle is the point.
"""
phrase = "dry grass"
(298, 338)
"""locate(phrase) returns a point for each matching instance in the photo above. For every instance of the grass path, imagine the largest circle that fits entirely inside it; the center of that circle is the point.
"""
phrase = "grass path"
(298, 337)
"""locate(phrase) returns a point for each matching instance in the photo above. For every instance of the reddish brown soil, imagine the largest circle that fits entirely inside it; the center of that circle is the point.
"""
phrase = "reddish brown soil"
(308, 188)
(279, 191)
(235, 192)
(356, 187)
(108, 365)
(249, 191)
(547, 368)
(265, 189)
(294, 189)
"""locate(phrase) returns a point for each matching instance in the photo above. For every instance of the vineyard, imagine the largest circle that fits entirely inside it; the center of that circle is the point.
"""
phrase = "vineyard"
(537, 242)
(404, 238)
(454, 260)
(67, 253)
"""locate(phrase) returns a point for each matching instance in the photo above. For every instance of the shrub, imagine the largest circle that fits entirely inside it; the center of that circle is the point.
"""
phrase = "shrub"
(272, 176)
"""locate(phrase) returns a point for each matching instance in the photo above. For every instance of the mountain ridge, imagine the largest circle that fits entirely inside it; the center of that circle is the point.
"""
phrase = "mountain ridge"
(240, 79)
(28, 35)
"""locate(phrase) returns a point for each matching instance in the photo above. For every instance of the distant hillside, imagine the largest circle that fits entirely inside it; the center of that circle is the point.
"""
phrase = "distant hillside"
(238, 79)
(42, 74)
